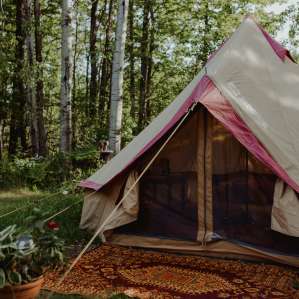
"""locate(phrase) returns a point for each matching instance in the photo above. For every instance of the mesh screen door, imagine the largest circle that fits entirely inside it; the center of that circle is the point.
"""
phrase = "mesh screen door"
(243, 195)
(168, 201)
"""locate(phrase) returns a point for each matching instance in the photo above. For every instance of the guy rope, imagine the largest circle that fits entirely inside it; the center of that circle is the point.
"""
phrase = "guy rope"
(99, 230)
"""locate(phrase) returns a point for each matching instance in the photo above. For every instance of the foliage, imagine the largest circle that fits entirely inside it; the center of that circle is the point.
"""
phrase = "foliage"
(48, 173)
(181, 35)
(25, 254)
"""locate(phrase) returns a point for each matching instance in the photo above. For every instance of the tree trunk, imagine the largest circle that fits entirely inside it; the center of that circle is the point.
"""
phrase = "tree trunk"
(204, 49)
(17, 121)
(1, 137)
(66, 78)
(30, 92)
(74, 118)
(86, 74)
(93, 89)
(117, 78)
(150, 66)
(105, 69)
(42, 136)
(144, 65)
(132, 60)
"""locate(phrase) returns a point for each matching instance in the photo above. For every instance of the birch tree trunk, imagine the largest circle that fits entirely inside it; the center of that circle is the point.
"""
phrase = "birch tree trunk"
(66, 78)
(93, 87)
(117, 77)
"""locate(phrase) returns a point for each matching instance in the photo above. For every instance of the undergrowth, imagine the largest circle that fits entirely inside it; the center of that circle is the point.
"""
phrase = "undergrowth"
(48, 173)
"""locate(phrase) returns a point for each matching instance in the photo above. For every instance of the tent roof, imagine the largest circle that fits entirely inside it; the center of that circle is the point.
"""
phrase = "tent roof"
(249, 71)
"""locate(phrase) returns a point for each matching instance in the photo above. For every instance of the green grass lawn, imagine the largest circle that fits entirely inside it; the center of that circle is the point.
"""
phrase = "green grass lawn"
(49, 204)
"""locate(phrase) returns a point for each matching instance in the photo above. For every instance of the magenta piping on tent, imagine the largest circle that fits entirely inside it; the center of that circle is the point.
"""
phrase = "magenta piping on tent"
(276, 46)
(251, 143)
(196, 94)
(222, 110)
(90, 184)
(207, 94)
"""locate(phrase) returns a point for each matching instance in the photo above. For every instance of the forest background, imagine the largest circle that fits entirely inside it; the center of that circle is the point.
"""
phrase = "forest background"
(56, 70)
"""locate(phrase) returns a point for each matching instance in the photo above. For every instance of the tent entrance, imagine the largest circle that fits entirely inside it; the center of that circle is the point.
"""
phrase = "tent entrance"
(206, 186)
(166, 208)
(168, 191)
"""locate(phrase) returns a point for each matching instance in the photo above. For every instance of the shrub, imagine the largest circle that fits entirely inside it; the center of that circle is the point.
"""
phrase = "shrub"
(48, 173)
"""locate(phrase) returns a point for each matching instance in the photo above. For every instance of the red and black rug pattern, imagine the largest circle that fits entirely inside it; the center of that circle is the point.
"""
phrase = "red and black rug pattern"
(148, 274)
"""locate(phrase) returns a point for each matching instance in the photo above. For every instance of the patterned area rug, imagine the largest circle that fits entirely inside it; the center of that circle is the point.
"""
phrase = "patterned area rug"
(148, 274)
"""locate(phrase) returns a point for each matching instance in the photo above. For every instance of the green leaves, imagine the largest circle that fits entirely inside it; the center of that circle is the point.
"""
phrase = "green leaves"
(25, 255)
(7, 232)
(2, 278)
(14, 277)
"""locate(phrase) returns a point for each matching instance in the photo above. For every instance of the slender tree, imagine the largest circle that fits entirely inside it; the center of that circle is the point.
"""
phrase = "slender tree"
(1, 135)
(66, 78)
(144, 64)
(105, 69)
(132, 59)
(42, 136)
(74, 89)
(117, 77)
(150, 65)
(29, 82)
(93, 86)
(17, 121)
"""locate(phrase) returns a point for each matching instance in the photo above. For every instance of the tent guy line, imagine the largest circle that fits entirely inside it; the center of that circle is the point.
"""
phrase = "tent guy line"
(98, 231)
(30, 205)
(249, 92)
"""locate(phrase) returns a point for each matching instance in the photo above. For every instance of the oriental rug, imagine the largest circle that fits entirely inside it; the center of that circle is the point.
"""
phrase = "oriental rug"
(148, 274)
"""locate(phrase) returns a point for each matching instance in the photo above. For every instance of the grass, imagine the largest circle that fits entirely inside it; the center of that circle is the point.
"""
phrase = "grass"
(49, 204)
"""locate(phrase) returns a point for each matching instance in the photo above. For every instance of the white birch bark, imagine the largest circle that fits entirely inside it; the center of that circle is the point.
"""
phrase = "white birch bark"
(66, 78)
(117, 77)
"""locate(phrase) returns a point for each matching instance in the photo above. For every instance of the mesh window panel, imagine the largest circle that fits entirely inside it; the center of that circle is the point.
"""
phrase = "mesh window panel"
(243, 195)
(168, 201)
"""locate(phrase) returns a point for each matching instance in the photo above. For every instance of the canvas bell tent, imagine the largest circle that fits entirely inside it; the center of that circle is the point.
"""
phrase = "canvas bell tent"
(218, 170)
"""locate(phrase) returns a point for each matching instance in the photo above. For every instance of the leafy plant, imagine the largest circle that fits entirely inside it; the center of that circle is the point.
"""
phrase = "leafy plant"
(27, 254)
(48, 173)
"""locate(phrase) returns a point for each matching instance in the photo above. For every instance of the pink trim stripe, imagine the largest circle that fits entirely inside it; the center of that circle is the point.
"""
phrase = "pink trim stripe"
(226, 116)
(207, 94)
(90, 184)
(222, 110)
(197, 92)
(276, 46)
